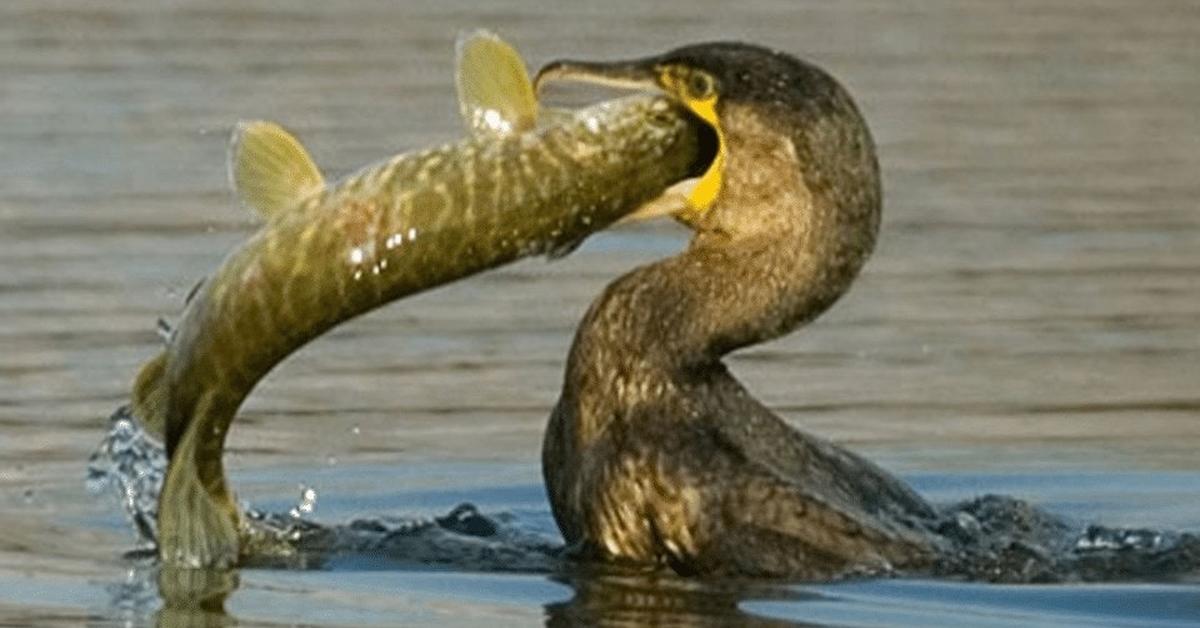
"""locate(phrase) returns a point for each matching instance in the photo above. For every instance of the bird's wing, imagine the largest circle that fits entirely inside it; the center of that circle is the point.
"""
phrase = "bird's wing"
(745, 518)
(812, 533)
(754, 433)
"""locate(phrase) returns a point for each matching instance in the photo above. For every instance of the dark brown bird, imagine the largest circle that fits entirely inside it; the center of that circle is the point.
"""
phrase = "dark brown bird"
(654, 453)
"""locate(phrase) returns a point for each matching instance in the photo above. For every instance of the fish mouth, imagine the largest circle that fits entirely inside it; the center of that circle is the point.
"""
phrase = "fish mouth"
(648, 75)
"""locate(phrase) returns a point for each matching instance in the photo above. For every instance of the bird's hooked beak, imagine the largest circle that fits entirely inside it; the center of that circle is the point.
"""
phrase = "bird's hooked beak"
(636, 74)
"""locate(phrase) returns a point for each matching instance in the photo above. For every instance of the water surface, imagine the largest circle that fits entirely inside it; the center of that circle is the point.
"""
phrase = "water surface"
(1030, 324)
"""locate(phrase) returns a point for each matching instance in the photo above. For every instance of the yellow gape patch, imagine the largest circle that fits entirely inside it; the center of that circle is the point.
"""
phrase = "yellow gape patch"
(706, 190)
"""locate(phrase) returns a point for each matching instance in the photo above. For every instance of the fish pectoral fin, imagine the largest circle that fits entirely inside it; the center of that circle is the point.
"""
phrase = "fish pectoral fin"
(495, 95)
(672, 202)
(269, 168)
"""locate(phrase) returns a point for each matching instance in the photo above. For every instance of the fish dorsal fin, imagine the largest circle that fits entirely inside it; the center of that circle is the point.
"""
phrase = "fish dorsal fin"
(269, 168)
(495, 95)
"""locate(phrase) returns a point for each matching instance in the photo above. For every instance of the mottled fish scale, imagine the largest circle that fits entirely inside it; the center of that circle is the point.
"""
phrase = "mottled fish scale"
(396, 228)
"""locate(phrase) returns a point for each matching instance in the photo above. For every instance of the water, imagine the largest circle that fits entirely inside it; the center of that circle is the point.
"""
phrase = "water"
(1029, 325)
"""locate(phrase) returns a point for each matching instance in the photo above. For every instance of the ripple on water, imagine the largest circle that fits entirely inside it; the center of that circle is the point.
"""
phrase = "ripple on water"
(991, 538)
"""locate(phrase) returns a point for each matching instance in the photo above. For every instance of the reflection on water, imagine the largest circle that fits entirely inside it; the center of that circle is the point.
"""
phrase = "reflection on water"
(195, 597)
(611, 598)
(597, 598)
(1031, 313)
(605, 597)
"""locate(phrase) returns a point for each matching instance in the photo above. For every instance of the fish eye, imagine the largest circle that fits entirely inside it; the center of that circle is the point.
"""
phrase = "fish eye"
(700, 85)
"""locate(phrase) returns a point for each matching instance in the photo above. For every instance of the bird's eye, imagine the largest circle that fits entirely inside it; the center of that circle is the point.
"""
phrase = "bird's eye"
(700, 85)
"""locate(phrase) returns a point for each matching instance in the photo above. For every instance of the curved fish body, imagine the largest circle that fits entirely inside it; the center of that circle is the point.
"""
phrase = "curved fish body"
(328, 254)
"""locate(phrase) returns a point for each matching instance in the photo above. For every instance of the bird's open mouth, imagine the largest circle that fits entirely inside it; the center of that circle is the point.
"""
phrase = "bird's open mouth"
(642, 75)
(709, 144)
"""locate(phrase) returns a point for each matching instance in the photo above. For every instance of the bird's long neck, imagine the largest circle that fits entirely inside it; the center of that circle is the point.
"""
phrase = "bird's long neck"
(781, 243)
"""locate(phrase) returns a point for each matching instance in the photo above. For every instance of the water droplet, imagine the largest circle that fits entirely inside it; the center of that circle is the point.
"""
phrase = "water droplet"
(307, 503)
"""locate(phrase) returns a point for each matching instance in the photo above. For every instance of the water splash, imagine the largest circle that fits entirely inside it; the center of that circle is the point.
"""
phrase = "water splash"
(991, 538)
(130, 464)
(1001, 539)
(307, 503)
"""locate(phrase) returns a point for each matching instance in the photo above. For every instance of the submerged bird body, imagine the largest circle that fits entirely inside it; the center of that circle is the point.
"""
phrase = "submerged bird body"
(328, 254)
(654, 453)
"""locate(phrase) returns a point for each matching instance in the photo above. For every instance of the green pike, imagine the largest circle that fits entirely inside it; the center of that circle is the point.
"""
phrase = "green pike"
(328, 253)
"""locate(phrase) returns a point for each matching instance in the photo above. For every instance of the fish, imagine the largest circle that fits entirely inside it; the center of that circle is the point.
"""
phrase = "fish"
(523, 182)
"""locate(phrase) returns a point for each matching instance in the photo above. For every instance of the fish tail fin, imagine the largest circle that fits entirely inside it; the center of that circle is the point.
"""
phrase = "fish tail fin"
(269, 169)
(199, 523)
(495, 95)
(149, 402)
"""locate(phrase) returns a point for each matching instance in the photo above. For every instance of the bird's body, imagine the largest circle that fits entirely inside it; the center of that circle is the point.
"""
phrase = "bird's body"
(654, 453)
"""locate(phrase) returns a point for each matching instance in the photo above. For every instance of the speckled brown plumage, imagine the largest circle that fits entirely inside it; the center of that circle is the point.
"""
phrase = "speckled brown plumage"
(654, 453)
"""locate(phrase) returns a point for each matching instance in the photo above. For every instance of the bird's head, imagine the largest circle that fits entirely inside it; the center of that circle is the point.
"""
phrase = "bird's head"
(767, 109)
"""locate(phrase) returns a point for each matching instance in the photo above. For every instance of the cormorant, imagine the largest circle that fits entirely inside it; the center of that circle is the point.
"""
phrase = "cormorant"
(655, 454)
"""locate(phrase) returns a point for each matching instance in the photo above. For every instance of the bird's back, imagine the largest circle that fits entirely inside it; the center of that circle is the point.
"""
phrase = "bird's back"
(709, 481)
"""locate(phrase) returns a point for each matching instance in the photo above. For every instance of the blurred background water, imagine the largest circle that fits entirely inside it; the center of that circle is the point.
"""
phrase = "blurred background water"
(1029, 325)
